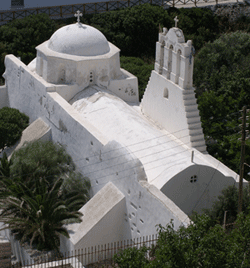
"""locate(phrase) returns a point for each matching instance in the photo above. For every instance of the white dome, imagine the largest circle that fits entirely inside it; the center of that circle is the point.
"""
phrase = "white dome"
(80, 40)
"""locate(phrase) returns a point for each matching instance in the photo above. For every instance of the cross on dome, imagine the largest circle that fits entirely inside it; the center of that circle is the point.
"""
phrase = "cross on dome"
(78, 15)
(176, 20)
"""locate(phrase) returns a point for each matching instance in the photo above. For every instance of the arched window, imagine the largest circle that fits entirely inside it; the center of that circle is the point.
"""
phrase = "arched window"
(165, 93)
(170, 52)
(178, 66)
(161, 62)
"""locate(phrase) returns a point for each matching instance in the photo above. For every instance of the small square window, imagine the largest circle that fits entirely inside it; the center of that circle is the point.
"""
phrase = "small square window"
(193, 179)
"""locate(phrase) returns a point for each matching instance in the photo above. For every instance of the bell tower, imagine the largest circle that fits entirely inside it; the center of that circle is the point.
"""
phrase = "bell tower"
(169, 98)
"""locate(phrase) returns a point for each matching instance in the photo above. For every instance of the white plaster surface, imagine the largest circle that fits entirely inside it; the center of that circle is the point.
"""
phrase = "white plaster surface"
(137, 157)
(119, 121)
(80, 40)
(102, 220)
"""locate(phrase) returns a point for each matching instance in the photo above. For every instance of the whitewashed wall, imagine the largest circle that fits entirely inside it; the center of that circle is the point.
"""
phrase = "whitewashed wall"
(89, 148)
(4, 100)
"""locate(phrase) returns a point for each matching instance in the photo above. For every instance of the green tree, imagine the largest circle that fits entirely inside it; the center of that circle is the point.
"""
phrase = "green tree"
(201, 244)
(221, 78)
(200, 25)
(228, 201)
(12, 123)
(21, 36)
(42, 193)
(50, 161)
(37, 215)
(134, 30)
(4, 166)
(132, 258)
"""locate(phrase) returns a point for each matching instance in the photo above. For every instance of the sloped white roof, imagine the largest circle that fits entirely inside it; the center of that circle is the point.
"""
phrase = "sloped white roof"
(154, 147)
(97, 208)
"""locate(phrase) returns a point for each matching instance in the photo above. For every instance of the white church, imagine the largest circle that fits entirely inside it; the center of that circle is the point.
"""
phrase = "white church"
(147, 161)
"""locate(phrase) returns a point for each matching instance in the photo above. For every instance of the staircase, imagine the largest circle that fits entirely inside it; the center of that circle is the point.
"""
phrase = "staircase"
(193, 121)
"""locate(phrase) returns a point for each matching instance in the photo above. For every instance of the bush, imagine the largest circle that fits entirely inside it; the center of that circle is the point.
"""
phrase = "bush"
(221, 78)
(228, 201)
(20, 37)
(201, 244)
(12, 124)
(131, 258)
(40, 192)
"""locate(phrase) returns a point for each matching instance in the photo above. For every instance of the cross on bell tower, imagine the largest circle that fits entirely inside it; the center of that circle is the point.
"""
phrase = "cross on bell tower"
(78, 15)
(176, 21)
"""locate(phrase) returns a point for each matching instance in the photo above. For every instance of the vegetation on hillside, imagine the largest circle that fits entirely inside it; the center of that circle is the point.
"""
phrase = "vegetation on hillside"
(40, 192)
(221, 77)
(20, 37)
(12, 123)
(222, 81)
(221, 73)
(204, 243)
(228, 201)
(198, 245)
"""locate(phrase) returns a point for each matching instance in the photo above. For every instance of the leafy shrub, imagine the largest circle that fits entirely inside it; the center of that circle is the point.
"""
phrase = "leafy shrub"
(131, 258)
(228, 201)
(134, 30)
(221, 78)
(201, 244)
(21, 36)
(12, 123)
(198, 24)
(40, 192)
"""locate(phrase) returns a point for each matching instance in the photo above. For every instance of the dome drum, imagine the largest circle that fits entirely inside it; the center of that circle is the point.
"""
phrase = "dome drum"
(50, 64)
(78, 56)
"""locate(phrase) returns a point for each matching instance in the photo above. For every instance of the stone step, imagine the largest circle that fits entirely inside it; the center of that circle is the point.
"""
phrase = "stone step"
(189, 96)
(193, 114)
(195, 131)
(194, 125)
(194, 138)
(193, 120)
(202, 149)
(192, 107)
(198, 143)
(188, 102)
(188, 91)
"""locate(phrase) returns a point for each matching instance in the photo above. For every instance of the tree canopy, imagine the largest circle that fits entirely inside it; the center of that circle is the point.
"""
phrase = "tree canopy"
(221, 78)
(228, 201)
(40, 191)
(201, 244)
(21, 36)
(12, 124)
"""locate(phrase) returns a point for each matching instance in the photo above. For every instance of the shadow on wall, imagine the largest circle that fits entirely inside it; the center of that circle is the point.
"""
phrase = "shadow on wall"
(196, 187)
(4, 98)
